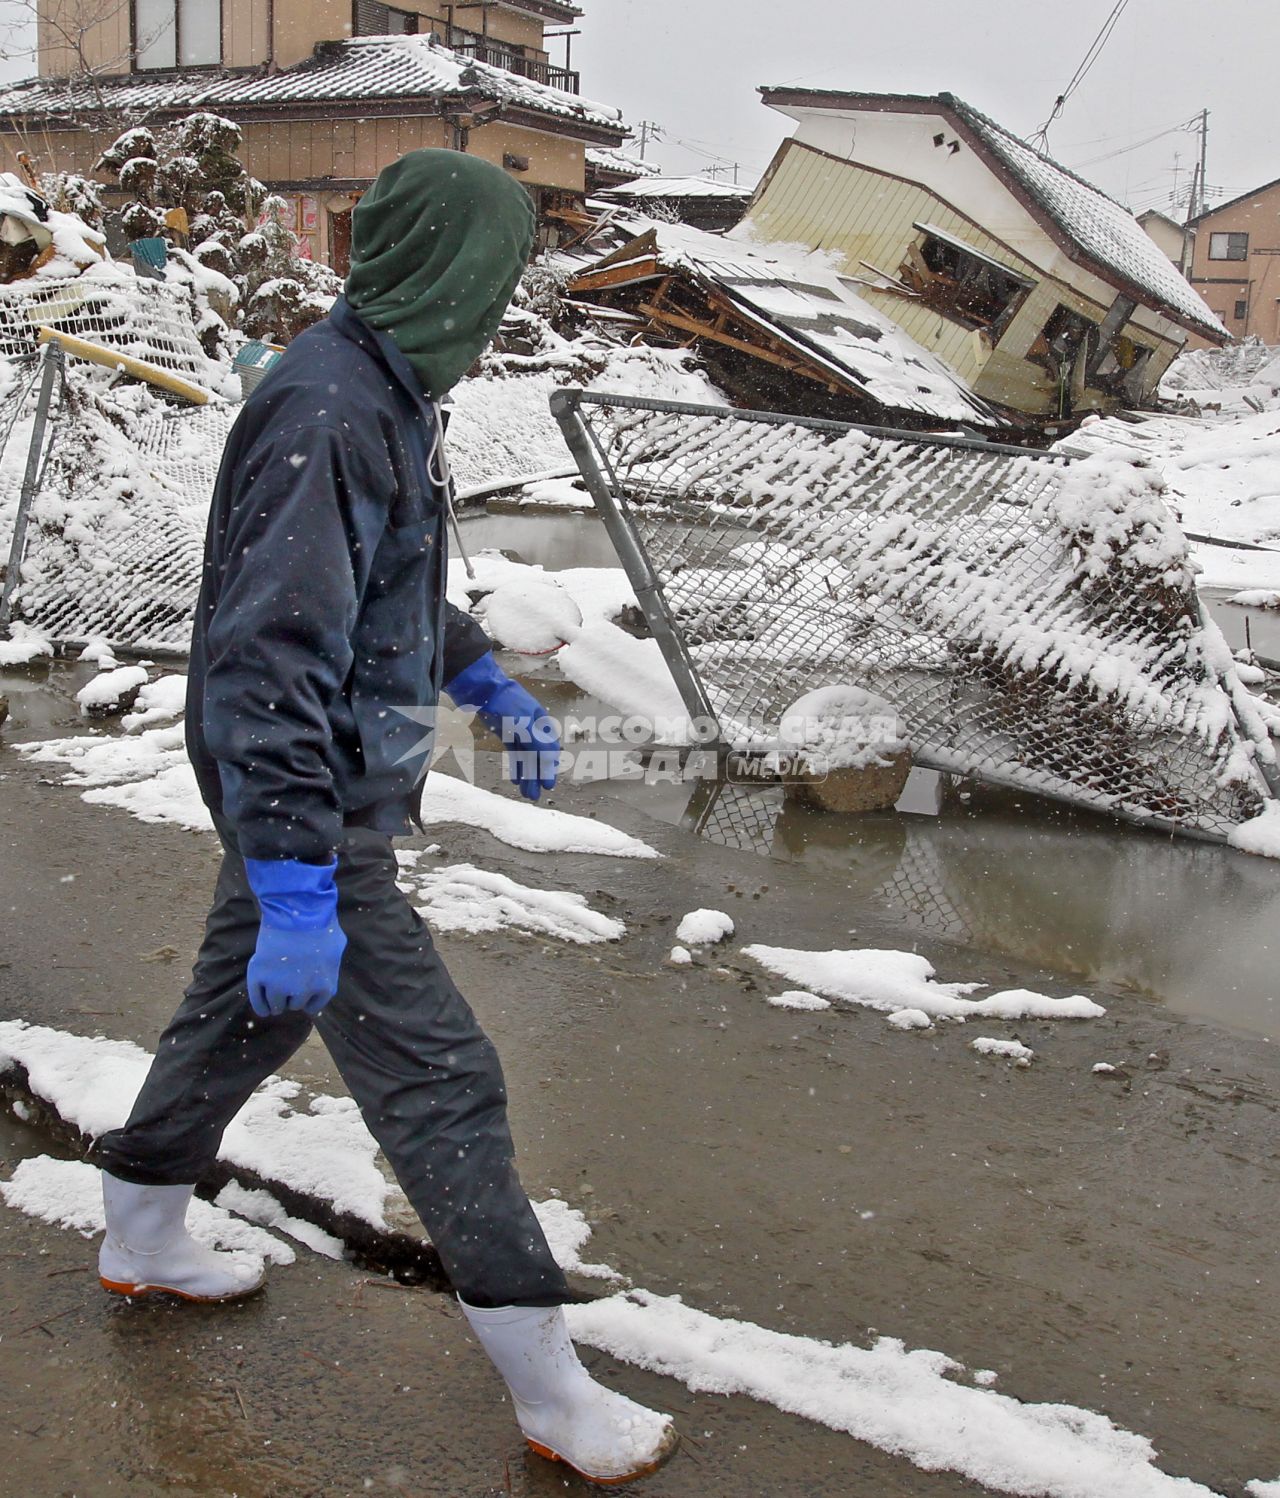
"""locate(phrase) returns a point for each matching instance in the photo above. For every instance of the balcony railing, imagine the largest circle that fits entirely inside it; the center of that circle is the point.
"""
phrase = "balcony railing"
(511, 61)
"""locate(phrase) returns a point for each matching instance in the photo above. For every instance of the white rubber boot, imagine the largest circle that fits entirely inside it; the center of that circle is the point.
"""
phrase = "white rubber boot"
(564, 1414)
(147, 1250)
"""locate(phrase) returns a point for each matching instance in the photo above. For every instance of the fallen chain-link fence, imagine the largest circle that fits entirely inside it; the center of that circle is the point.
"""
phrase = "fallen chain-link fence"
(132, 316)
(1030, 621)
(108, 542)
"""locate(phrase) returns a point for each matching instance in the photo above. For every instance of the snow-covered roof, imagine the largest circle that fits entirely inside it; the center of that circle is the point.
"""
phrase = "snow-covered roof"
(798, 299)
(1091, 222)
(605, 160)
(361, 69)
(676, 187)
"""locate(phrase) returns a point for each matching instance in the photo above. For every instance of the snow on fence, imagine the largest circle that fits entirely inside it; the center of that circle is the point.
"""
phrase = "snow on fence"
(1031, 621)
(138, 317)
(115, 534)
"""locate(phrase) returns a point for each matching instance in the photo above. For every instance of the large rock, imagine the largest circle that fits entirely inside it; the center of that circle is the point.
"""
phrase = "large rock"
(874, 787)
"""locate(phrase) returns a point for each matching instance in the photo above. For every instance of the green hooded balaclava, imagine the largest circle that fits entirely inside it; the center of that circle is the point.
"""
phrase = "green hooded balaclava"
(438, 244)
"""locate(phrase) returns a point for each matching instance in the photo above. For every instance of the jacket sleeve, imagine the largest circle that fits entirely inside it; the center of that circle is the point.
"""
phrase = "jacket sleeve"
(304, 521)
(464, 642)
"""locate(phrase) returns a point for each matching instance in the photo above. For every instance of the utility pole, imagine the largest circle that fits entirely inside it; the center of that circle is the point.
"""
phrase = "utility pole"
(648, 131)
(1204, 155)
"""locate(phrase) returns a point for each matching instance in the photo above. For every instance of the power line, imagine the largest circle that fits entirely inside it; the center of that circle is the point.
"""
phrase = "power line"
(1081, 73)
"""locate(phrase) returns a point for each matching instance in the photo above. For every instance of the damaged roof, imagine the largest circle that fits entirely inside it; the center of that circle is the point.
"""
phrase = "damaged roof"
(803, 314)
(1090, 226)
(675, 187)
(360, 70)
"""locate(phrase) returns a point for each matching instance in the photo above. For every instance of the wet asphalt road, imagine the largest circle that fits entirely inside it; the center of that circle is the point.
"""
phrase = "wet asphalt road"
(1104, 1241)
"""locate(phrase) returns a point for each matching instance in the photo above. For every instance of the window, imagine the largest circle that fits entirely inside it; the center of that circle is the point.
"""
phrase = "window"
(374, 19)
(177, 33)
(1228, 247)
(962, 283)
(1242, 311)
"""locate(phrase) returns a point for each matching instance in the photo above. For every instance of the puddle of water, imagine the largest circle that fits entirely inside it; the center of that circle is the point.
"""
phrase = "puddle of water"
(1258, 629)
(552, 541)
(1190, 924)
(1186, 923)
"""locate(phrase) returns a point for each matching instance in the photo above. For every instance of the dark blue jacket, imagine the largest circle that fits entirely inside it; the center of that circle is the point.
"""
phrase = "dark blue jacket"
(322, 607)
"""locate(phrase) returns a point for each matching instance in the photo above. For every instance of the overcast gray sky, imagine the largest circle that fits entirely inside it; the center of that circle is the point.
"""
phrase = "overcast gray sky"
(693, 67)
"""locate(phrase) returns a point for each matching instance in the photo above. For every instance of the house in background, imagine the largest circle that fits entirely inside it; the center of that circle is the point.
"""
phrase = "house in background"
(327, 92)
(1043, 294)
(1173, 238)
(1236, 264)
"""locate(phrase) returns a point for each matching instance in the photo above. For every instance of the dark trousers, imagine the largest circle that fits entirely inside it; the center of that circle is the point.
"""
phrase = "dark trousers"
(426, 1077)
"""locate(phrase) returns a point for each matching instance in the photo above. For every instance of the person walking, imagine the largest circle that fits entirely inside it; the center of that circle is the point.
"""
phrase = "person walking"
(322, 610)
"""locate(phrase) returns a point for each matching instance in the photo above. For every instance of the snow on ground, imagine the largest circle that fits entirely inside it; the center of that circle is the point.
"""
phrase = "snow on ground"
(1222, 467)
(1011, 1050)
(146, 774)
(1259, 1489)
(25, 646)
(703, 928)
(907, 1402)
(1261, 835)
(109, 687)
(796, 998)
(460, 897)
(536, 829)
(918, 1404)
(261, 1207)
(160, 701)
(898, 982)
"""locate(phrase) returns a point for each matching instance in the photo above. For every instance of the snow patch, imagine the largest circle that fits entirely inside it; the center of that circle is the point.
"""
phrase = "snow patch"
(795, 998)
(1011, 1050)
(461, 897)
(107, 689)
(1261, 834)
(895, 981)
(536, 829)
(703, 928)
(904, 1402)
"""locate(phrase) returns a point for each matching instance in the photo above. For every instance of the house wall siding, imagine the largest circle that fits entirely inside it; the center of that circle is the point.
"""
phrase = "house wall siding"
(1255, 281)
(245, 38)
(106, 44)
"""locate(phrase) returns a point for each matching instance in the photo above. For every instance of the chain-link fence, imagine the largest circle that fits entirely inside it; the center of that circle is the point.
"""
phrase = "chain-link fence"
(107, 542)
(133, 316)
(1032, 622)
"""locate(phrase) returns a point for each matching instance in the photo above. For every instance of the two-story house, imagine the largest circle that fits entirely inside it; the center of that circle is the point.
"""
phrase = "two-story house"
(327, 92)
(1236, 263)
(1042, 293)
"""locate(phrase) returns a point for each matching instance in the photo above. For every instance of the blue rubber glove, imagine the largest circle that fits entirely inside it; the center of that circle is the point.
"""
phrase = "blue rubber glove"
(300, 943)
(519, 720)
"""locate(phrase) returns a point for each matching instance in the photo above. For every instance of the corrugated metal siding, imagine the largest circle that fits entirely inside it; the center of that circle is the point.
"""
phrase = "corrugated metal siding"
(866, 217)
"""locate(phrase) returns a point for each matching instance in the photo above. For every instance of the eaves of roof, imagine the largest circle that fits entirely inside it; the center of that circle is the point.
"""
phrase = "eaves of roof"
(981, 134)
(365, 75)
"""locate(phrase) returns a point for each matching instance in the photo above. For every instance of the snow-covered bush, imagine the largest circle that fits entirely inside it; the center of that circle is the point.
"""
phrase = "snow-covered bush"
(282, 294)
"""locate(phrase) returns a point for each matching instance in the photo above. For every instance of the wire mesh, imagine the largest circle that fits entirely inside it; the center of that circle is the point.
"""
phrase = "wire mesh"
(1030, 622)
(116, 541)
(145, 319)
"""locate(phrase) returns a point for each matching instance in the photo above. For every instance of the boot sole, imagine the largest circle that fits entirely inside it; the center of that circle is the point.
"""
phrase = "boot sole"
(607, 1482)
(143, 1292)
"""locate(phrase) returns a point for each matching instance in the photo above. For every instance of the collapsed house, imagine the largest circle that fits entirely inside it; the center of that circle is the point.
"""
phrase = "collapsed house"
(779, 333)
(685, 200)
(1038, 291)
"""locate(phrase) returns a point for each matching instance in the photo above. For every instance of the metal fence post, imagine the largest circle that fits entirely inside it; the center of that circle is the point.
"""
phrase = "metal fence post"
(51, 367)
(635, 562)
